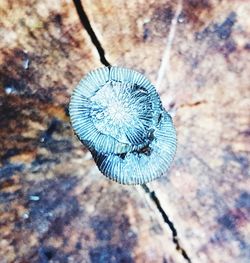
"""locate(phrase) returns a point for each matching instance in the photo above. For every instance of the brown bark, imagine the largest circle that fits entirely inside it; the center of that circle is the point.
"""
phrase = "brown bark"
(54, 203)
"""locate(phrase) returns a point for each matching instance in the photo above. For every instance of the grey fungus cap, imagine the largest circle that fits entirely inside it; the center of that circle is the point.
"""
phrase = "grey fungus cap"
(117, 113)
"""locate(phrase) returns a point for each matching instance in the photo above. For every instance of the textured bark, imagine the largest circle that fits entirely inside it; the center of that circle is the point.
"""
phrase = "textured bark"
(54, 204)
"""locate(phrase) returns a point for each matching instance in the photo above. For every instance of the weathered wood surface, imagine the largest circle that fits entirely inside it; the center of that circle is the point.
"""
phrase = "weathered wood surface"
(54, 204)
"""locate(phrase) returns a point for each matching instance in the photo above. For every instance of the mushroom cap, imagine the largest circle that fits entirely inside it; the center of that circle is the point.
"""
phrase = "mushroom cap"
(113, 109)
(117, 113)
(144, 166)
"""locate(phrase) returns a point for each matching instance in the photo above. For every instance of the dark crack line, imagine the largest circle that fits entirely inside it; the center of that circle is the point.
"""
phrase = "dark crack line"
(170, 224)
(86, 24)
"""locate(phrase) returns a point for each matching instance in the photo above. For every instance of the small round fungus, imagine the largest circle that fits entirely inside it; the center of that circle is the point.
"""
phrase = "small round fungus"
(117, 113)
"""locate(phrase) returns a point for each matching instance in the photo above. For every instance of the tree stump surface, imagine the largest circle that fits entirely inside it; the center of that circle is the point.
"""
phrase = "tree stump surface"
(55, 206)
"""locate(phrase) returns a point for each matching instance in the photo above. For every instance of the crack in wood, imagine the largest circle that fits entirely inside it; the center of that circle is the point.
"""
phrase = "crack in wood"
(170, 224)
(86, 24)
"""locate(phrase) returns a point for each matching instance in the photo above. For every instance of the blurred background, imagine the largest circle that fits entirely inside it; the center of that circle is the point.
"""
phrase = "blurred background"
(55, 206)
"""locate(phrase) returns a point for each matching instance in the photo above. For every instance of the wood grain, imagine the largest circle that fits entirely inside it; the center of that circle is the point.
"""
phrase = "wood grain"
(55, 206)
(206, 87)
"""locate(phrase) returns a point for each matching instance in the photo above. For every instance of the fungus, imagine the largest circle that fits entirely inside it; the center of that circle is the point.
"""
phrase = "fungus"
(117, 114)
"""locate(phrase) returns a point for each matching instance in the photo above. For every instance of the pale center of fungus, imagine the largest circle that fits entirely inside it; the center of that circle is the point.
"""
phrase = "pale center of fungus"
(119, 111)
